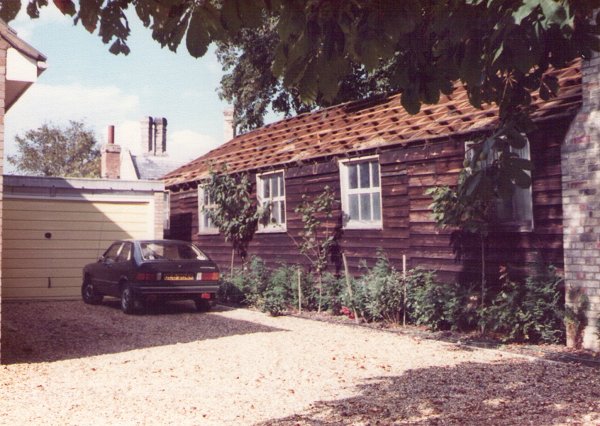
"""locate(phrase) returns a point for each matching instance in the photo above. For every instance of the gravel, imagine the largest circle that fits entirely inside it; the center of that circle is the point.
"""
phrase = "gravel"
(69, 363)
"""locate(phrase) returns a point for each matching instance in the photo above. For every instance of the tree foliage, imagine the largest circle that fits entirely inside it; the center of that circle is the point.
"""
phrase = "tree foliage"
(319, 235)
(499, 50)
(51, 150)
(235, 210)
(253, 89)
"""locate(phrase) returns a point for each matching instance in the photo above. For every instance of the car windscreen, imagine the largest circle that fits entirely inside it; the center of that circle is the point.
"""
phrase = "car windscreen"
(158, 250)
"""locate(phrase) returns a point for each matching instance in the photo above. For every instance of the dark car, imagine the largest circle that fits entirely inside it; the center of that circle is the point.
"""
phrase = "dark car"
(140, 271)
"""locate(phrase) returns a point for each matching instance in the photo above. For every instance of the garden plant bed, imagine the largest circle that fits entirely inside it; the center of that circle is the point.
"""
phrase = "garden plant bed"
(71, 363)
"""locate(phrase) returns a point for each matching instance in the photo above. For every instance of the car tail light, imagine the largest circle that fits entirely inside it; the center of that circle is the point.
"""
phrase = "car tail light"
(148, 276)
(206, 296)
(207, 276)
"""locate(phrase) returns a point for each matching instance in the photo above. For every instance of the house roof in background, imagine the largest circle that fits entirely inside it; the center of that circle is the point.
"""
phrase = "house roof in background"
(22, 46)
(358, 126)
(151, 167)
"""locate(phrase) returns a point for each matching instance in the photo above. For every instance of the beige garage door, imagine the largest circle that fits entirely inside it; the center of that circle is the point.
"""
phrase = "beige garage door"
(47, 243)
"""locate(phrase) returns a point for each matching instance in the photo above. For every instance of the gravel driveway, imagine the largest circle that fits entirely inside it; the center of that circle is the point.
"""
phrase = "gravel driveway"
(70, 363)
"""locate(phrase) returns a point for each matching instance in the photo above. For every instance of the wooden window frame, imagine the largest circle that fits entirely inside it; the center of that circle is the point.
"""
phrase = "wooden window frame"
(376, 224)
(522, 198)
(202, 229)
(261, 178)
(166, 210)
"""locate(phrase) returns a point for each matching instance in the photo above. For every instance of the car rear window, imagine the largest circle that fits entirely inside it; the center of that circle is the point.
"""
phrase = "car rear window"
(170, 251)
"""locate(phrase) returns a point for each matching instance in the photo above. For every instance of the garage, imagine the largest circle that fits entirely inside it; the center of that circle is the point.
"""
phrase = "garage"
(52, 227)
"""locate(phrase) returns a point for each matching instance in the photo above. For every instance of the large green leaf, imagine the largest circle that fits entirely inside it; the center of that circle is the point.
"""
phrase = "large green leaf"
(89, 11)
(515, 138)
(410, 100)
(525, 10)
(67, 7)
(9, 10)
(197, 38)
(471, 67)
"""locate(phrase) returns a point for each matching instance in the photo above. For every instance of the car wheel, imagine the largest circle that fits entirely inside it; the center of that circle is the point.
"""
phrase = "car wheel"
(202, 305)
(130, 303)
(88, 293)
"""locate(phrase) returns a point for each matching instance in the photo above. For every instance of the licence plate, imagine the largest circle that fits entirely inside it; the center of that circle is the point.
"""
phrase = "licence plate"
(178, 277)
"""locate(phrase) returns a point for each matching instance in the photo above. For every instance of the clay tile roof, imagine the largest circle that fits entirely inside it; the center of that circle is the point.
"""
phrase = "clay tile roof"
(364, 125)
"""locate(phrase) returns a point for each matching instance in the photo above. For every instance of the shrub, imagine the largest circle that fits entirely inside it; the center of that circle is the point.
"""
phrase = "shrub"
(279, 294)
(230, 293)
(439, 306)
(533, 311)
(378, 294)
(247, 286)
(333, 287)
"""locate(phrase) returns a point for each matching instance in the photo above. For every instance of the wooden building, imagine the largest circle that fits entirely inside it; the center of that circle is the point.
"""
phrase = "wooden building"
(380, 160)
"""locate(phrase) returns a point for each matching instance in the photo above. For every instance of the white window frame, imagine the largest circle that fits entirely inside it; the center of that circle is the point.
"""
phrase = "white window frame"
(202, 229)
(261, 179)
(167, 210)
(522, 199)
(346, 192)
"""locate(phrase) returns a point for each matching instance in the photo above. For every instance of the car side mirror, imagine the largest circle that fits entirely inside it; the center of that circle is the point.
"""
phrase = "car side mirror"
(101, 259)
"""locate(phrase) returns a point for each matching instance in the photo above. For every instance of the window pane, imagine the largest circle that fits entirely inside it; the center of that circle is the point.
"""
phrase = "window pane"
(282, 212)
(504, 210)
(364, 175)
(275, 212)
(376, 206)
(125, 254)
(353, 202)
(111, 253)
(266, 189)
(281, 185)
(274, 186)
(352, 176)
(365, 207)
(375, 173)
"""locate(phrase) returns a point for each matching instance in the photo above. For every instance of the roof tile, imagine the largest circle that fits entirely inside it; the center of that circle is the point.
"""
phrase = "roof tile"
(363, 125)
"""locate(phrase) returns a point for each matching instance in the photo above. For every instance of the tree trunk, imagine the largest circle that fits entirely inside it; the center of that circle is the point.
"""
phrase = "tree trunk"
(320, 284)
(347, 275)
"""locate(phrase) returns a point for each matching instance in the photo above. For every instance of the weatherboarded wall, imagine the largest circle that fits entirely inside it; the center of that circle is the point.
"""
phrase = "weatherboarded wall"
(408, 229)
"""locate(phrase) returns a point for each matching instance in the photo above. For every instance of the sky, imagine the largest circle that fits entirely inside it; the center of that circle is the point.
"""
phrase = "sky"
(84, 81)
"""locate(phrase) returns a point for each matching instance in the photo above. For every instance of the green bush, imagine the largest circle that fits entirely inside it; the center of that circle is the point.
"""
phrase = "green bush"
(230, 293)
(378, 294)
(530, 312)
(246, 287)
(439, 306)
(279, 294)
(333, 288)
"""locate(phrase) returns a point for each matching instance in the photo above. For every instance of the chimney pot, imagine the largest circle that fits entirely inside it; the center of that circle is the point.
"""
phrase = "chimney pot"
(111, 134)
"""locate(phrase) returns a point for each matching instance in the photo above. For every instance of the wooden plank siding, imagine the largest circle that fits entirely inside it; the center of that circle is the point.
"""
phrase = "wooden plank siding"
(408, 228)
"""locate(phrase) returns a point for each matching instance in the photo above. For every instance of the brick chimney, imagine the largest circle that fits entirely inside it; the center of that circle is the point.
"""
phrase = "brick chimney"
(228, 129)
(581, 202)
(147, 126)
(110, 161)
(154, 136)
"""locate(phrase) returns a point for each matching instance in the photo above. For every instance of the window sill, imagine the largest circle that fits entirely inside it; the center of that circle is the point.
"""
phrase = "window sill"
(517, 227)
(209, 232)
(272, 230)
(378, 226)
